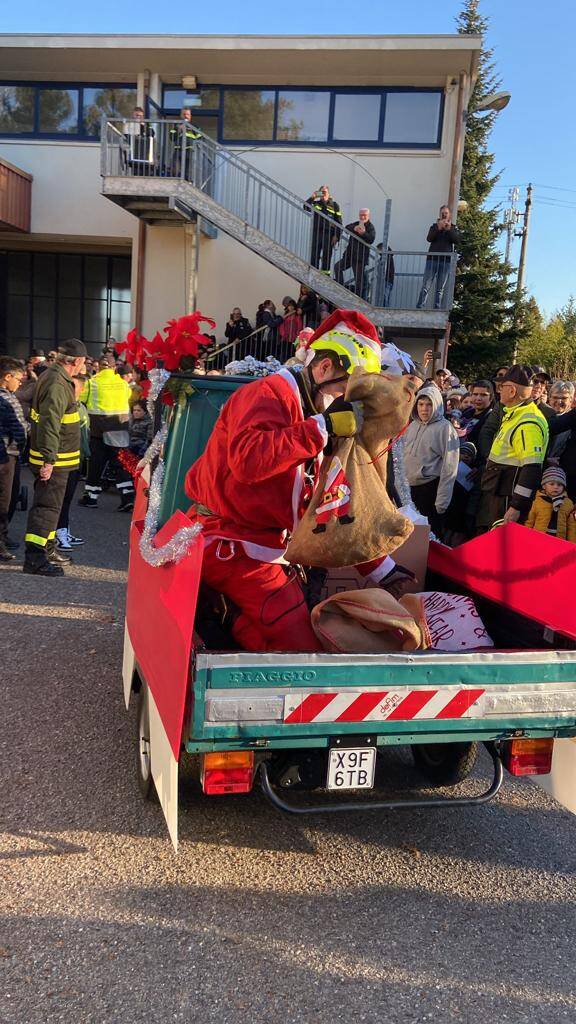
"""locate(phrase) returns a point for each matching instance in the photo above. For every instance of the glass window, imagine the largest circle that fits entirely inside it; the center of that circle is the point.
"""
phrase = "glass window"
(44, 273)
(70, 277)
(109, 101)
(95, 277)
(44, 310)
(59, 111)
(357, 116)
(95, 322)
(16, 109)
(19, 267)
(17, 318)
(303, 116)
(120, 279)
(69, 319)
(206, 99)
(119, 319)
(412, 117)
(249, 115)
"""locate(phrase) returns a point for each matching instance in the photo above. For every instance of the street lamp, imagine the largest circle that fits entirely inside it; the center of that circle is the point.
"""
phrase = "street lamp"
(495, 101)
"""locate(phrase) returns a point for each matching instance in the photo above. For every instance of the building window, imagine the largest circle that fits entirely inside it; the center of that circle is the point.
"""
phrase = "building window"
(109, 101)
(303, 116)
(249, 114)
(48, 297)
(356, 117)
(412, 118)
(58, 113)
(203, 99)
(16, 109)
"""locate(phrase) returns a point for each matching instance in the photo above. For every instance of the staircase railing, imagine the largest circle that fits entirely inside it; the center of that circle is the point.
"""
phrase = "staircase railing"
(178, 149)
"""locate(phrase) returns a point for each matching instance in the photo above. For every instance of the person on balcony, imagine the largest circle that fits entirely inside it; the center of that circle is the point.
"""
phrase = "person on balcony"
(443, 237)
(139, 136)
(357, 254)
(238, 326)
(324, 235)
(182, 139)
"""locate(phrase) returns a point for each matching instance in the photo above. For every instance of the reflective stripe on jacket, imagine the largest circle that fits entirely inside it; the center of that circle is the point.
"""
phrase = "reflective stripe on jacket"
(106, 394)
(55, 421)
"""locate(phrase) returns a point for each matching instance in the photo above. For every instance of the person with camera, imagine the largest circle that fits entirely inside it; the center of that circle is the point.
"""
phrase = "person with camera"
(238, 327)
(443, 237)
(356, 256)
(324, 236)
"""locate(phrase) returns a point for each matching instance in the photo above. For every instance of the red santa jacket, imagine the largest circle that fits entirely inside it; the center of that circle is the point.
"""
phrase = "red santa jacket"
(251, 475)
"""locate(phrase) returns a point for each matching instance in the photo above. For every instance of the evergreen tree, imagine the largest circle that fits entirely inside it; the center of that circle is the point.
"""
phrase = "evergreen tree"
(483, 332)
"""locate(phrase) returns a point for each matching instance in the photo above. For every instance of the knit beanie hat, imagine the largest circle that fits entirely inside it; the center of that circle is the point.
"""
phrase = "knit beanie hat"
(467, 448)
(554, 475)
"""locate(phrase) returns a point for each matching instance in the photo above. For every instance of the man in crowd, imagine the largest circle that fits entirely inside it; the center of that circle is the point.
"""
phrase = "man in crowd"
(257, 475)
(182, 138)
(482, 395)
(540, 384)
(13, 432)
(514, 466)
(107, 397)
(238, 326)
(443, 237)
(54, 452)
(324, 235)
(362, 235)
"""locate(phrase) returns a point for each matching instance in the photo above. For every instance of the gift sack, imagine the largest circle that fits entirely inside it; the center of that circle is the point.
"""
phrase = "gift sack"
(368, 621)
(350, 518)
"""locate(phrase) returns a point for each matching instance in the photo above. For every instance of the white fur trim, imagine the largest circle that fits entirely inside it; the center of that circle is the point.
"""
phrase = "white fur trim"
(382, 570)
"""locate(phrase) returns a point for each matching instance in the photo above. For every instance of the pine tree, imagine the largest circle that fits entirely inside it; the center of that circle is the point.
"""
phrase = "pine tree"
(482, 330)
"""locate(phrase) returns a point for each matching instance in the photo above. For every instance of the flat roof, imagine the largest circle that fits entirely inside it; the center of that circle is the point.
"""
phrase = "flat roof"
(281, 59)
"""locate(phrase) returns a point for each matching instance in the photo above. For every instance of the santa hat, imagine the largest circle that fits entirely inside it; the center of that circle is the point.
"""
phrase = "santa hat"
(348, 321)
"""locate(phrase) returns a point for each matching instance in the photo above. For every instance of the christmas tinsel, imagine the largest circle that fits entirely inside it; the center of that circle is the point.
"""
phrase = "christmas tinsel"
(179, 545)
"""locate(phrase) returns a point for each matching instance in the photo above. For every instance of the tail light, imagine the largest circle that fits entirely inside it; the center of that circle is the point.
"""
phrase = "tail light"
(528, 757)
(227, 771)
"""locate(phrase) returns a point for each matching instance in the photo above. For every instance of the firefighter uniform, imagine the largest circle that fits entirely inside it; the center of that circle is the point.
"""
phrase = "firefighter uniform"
(514, 467)
(182, 138)
(106, 397)
(54, 441)
(322, 230)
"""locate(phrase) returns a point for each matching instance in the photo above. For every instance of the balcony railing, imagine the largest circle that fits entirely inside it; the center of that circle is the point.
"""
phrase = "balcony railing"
(174, 149)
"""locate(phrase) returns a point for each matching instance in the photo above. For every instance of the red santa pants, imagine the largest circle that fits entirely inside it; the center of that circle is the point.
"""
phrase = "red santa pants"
(273, 612)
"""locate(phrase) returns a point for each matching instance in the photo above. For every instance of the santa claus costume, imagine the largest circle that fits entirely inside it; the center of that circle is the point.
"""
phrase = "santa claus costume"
(253, 483)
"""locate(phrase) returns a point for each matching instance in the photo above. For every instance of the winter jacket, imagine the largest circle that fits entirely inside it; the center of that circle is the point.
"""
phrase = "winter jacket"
(55, 430)
(514, 465)
(12, 426)
(238, 330)
(431, 450)
(107, 398)
(541, 517)
(252, 472)
(443, 240)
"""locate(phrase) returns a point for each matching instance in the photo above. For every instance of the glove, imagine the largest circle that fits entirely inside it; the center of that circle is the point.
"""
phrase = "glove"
(343, 419)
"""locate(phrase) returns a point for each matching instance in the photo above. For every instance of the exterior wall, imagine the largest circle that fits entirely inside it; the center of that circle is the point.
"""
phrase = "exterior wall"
(66, 197)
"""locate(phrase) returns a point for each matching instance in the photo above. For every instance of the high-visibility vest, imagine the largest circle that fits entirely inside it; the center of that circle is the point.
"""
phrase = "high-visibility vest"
(523, 437)
(106, 394)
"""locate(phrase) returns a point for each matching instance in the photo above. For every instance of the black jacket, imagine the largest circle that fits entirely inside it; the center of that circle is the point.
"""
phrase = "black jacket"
(239, 329)
(443, 241)
(330, 208)
(356, 251)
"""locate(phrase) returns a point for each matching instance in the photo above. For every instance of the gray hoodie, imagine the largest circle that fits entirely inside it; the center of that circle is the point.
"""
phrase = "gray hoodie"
(431, 450)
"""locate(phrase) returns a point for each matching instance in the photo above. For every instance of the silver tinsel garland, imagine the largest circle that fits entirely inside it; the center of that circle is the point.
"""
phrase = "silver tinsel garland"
(179, 545)
(156, 445)
(157, 380)
(251, 367)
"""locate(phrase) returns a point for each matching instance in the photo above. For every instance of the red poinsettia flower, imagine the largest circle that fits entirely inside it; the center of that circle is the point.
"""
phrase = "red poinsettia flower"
(134, 345)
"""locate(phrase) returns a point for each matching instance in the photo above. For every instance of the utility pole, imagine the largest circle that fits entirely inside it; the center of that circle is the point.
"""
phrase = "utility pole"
(511, 219)
(524, 235)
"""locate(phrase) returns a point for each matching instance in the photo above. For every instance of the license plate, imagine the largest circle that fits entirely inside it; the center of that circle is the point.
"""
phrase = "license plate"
(351, 768)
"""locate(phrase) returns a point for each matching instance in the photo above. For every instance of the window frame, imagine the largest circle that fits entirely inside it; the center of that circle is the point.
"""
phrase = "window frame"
(80, 135)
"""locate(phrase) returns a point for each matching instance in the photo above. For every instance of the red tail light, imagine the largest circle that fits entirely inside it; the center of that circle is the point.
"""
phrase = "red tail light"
(227, 771)
(528, 757)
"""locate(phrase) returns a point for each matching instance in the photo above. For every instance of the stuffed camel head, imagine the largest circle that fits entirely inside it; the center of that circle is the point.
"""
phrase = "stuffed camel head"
(388, 400)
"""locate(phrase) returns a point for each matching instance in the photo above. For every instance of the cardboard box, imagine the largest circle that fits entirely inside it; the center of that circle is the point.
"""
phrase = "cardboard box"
(413, 554)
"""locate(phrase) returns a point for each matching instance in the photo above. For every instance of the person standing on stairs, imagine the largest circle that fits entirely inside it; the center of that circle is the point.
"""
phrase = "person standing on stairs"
(324, 236)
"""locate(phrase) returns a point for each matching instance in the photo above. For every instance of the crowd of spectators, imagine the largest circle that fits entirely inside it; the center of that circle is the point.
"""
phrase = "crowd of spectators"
(458, 481)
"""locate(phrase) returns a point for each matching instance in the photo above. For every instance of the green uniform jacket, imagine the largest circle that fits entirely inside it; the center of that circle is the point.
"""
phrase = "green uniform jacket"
(55, 421)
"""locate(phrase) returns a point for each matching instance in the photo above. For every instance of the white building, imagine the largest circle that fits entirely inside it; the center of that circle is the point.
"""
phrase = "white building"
(380, 119)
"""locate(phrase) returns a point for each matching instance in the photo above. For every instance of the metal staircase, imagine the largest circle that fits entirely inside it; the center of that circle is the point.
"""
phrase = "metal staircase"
(154, 172)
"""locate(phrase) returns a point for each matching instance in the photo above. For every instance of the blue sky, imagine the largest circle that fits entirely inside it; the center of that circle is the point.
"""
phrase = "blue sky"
(534, 138)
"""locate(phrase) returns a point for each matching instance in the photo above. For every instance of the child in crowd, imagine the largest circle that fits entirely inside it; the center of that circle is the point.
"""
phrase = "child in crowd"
(431, 452)
(139, 428)
(552, 510)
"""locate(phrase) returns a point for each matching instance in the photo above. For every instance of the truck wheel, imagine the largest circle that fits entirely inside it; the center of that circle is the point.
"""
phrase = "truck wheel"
(445, 764)
(143, 766)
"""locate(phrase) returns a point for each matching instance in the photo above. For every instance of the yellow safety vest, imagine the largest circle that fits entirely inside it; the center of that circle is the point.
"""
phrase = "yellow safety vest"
(106, 394)
(523, 437)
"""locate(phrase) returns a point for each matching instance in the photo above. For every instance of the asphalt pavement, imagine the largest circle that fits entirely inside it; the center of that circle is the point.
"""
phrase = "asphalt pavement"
(465, 916)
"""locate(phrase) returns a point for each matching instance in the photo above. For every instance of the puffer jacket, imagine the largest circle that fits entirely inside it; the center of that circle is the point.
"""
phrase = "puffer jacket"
(432, 450)
(541, 513)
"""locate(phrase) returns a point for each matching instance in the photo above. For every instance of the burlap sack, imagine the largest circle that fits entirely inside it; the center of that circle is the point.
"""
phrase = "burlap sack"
(368, 621)
(351, 519)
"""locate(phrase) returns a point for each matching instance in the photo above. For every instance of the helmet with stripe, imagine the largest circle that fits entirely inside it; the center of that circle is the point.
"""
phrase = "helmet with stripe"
(352, 337)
